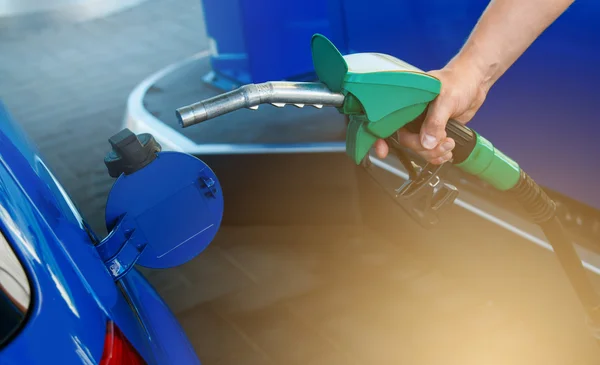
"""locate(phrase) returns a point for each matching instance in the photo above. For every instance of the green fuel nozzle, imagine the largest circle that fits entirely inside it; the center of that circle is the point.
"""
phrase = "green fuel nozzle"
(384, 94)
(379, 93)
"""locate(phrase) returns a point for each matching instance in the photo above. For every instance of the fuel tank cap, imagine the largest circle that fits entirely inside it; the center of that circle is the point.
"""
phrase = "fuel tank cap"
(171, 208)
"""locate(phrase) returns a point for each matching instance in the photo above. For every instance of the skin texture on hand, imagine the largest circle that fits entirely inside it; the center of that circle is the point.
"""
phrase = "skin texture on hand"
(503, 33)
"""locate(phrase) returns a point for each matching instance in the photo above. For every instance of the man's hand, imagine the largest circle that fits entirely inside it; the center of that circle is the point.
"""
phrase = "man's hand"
(462, 94)
(504, 31)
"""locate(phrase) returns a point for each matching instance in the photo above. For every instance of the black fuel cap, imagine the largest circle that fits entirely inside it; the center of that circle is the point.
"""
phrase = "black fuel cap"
(130, 152)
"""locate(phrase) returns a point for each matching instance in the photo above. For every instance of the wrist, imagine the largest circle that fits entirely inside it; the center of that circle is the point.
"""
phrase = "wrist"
(471, 63)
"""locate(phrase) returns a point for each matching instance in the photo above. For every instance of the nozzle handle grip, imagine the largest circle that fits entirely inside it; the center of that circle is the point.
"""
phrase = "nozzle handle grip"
(464, 138)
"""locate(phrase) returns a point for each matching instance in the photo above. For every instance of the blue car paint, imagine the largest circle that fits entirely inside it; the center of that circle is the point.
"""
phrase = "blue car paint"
(172, 345)
(73, 294)
(171, 206)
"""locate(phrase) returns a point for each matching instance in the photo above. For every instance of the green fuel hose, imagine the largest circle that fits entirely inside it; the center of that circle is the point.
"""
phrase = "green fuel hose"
(477, 156)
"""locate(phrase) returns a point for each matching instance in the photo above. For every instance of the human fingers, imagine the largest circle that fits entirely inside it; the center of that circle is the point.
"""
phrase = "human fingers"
(433, 129)
(413, 141)
(381, 148)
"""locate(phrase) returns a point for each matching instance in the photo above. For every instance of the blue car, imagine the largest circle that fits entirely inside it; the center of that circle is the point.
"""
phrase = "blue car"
(65, 295)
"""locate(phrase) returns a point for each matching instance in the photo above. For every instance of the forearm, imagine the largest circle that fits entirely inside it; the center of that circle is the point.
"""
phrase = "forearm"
(504, 32)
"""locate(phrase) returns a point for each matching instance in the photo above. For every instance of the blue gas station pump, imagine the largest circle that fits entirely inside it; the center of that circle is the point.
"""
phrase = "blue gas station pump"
(260, 40)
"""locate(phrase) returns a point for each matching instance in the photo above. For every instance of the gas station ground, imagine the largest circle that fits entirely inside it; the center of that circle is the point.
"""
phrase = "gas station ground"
(288, 294)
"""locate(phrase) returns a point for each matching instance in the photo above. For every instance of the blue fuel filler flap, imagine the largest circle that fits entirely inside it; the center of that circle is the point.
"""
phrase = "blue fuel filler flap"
(162, 211)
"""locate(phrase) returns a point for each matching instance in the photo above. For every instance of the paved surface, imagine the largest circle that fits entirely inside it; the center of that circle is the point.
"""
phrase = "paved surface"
(289, 295)
(61, 10)
(68, 83)
(345, 295)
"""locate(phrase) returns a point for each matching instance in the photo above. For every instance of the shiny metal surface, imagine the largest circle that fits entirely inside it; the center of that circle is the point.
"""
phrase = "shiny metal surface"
(139, 119)
(278, 93)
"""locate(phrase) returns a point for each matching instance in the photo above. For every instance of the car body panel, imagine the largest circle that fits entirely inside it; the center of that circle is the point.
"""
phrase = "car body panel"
(73, 293)
(171, 345)
(65, 319)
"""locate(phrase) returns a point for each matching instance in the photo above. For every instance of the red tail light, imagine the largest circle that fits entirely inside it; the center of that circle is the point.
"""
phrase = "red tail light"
(117, 350)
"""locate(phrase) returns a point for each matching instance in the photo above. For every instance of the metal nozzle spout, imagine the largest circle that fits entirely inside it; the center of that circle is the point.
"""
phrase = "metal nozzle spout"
(187, 115)
(250, 96)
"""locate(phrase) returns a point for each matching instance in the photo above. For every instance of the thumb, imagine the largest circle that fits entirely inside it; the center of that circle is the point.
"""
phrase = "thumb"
(433, 129)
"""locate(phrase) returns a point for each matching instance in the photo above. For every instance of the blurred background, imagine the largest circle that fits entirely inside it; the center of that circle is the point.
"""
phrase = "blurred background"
(322, 270)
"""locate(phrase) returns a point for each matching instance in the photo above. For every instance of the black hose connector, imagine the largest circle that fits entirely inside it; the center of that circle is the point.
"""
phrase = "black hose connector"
(534, 199)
